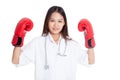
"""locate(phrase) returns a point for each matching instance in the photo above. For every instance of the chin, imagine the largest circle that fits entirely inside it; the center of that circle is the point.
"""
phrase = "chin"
(55, 32)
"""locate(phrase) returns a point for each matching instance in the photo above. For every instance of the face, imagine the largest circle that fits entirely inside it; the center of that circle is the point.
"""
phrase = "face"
(56, 23)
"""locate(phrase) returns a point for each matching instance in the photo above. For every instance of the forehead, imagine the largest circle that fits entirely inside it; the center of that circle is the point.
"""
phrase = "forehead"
(56, 15)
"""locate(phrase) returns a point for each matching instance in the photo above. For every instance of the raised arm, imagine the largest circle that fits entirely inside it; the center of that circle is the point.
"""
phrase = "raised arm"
(24, 25)
(16, 54)
(85, 25)
(91, 56)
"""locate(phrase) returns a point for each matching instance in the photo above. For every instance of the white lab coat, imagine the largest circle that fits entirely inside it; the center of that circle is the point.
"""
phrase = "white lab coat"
(60, 68)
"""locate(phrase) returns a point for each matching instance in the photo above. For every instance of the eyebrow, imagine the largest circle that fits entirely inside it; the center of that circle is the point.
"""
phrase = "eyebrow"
(57, 19)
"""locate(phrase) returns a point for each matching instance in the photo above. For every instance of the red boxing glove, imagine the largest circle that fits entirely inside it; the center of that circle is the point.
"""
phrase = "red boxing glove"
(85, 25)
(25, 24)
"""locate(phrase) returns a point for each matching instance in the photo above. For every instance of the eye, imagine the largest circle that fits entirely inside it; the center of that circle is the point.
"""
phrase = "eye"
(60, 21)
(51, 20)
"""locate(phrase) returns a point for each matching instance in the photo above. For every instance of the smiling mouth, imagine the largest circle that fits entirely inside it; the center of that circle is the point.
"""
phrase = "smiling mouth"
(55, 29)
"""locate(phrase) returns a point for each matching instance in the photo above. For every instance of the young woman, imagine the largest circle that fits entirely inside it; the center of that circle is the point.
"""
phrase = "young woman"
(54, 54)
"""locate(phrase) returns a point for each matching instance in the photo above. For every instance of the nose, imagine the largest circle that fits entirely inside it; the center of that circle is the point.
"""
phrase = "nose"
(56, 24)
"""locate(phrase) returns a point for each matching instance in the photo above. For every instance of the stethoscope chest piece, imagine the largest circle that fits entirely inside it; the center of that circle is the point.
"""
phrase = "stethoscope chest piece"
(46, 67)
(62, 55)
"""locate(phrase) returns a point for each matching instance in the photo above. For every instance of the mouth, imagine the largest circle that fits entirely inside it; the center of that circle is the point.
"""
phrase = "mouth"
(56, 29)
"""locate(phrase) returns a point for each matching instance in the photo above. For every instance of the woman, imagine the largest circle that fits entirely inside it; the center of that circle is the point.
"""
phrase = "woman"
(54, 54)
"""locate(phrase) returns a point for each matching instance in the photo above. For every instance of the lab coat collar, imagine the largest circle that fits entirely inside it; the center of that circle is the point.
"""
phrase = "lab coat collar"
(51, 38)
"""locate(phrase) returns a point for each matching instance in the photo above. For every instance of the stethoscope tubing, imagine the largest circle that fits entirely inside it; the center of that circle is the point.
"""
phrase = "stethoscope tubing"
(46, 66)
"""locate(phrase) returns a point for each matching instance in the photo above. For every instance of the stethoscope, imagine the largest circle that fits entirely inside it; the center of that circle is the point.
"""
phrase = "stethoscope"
(46, 66)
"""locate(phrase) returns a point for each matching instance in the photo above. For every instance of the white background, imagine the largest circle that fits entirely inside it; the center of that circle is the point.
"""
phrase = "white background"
(103, 14)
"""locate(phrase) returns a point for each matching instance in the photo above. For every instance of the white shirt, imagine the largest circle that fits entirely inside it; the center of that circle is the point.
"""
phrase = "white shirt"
(60, 67)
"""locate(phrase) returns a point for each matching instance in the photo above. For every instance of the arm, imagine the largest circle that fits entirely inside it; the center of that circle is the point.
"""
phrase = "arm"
(24, 25)
(86, 26)
(16, 54)
(91, 56)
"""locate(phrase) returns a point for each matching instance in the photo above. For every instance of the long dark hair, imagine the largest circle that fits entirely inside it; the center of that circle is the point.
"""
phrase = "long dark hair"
(64, 31)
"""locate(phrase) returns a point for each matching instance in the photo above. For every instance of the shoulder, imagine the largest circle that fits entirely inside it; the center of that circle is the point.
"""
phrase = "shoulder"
(74, 43)
(37, 40)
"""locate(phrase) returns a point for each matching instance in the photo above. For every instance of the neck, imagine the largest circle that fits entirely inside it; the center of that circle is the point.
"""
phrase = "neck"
(55, 37)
